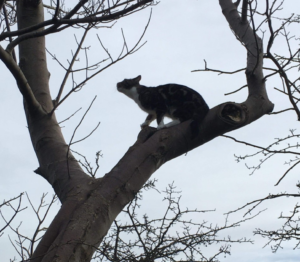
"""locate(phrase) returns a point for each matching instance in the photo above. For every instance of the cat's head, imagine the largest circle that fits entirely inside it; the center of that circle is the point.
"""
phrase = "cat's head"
(127, 84)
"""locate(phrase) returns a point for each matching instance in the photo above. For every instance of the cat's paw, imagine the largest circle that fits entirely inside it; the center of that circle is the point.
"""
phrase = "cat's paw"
(144, 125)
(161, 127)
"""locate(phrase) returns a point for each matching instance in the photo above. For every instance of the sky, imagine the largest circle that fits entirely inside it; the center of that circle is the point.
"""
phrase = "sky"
(181, 34)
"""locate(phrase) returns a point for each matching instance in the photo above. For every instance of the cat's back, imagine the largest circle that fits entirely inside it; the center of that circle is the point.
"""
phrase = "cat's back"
(172, 97)
(180, 93)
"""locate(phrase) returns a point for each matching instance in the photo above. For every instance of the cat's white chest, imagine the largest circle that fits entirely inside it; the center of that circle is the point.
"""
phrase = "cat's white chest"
(133, 94)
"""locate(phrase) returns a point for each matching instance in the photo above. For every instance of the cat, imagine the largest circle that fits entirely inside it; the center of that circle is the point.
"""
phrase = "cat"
(178, 102)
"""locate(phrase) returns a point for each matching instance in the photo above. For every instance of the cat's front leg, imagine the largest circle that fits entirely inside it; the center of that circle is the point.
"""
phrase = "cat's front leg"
(161, 125)
(148, 120)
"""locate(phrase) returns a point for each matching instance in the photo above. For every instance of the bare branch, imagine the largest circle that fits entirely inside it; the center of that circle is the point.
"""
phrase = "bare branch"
(87, 135)
(236, 90)
(71, 65)
(8, 30)
(70, 143)
(87, 166)
(287, 172)
(282, 111)
(41, 220)
(57, 10)
(43, 24)
(1, 4)
(263, 148)
(217, 71)
(244, 11)
(81, 84)
(289, 231)
(23, 85)
(257, 202)
(69, 22)
(16, 210)
(70, 116)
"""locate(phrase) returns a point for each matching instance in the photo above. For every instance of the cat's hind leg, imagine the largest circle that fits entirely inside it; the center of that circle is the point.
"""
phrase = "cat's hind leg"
(160, 119)
(173, 123)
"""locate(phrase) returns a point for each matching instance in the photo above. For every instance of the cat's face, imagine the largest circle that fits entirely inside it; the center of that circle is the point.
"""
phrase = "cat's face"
(129, 87)
(127, 84)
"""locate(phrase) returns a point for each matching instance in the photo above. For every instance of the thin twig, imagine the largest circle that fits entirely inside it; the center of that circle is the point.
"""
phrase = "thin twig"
(8, 30)
(70, 116)
(287, 172)
(282, 111)
(70, 143)
(262, 148)
(236, 90)
(71, 66)
(217, 71)
(259, 201)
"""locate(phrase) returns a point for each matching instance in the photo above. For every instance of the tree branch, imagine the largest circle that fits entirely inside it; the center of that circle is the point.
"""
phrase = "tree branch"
(263, 148)
(1, 4)
(23, 85)
(71, 66)
(8, 30)
(43, 24)
(257, 202)
(69, 22)
(287, 172)
(244, 11)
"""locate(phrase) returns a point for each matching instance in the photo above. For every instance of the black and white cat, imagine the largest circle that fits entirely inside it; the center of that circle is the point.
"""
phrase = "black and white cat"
(177, 102)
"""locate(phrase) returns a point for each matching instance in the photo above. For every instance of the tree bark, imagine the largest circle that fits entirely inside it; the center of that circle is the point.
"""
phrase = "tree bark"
(89, 206)
(67, 178)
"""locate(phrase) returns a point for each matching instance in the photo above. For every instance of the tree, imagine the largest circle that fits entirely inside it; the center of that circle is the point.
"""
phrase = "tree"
(89, 206)
(284, 65)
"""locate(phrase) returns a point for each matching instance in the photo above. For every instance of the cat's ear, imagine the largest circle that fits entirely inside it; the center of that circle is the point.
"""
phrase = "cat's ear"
(138, 78)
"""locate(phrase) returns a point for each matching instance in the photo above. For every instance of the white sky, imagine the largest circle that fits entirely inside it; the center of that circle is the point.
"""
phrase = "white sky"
(181, 34)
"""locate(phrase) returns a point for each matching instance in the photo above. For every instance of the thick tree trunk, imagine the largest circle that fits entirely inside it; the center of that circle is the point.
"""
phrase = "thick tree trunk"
(69, 182)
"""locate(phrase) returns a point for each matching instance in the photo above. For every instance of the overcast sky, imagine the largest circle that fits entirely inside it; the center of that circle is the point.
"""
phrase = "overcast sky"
(180, 36)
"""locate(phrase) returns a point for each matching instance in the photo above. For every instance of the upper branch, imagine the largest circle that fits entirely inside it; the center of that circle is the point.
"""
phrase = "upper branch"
(254, 69)
(244, 33)
(244, 11)
(69, 70)
(31, 33)
(43, 24)
(1, 4)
